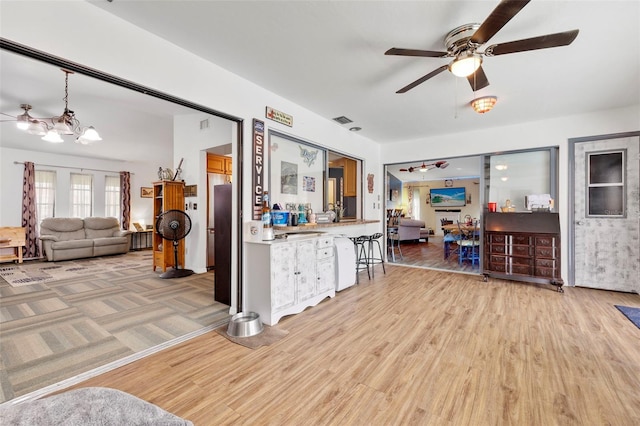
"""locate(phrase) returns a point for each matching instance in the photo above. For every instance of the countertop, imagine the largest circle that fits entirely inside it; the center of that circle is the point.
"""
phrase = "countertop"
(318, 226)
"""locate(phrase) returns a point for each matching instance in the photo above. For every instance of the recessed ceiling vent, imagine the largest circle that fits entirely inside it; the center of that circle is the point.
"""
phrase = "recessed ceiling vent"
(343, 120)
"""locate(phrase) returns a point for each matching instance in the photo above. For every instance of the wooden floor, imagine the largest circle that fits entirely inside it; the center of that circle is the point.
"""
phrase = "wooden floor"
(413, 346)
(430, 254)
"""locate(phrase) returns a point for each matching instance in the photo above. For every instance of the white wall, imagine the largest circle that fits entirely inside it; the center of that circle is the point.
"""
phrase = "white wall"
(11, 187)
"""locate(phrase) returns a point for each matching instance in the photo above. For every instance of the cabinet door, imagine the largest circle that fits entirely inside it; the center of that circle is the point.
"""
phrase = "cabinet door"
(228, 165)
(215, 164)
(326, 274)
(306, 270)
(283, 276)
(350, 178)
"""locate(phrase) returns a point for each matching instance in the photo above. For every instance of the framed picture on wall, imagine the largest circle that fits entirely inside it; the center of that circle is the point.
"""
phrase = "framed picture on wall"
(146, 192)
(288, 178)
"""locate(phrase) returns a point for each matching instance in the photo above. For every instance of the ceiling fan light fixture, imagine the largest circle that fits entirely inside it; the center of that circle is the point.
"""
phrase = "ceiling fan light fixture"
(88, 135)
(483, 104)
(465, 64)
(53, 137)
(37, 128)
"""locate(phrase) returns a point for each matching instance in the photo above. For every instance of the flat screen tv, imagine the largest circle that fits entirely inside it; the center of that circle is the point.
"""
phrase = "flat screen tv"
(448, 197)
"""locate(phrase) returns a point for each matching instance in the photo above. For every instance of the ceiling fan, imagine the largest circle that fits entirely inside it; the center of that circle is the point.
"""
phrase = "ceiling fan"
(425, 167)
(463, 43)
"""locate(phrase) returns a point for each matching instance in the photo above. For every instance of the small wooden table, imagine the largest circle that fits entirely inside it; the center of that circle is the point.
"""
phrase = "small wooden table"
(14, 238)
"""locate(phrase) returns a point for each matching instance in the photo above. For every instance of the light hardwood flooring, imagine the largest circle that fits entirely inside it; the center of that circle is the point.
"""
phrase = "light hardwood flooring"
(431, 255)
(413, 347)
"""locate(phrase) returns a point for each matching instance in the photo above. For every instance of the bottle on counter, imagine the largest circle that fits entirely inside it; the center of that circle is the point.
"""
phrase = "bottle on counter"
(267, 223)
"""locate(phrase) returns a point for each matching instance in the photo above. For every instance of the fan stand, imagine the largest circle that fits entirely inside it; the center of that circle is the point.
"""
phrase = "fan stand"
(175, 272)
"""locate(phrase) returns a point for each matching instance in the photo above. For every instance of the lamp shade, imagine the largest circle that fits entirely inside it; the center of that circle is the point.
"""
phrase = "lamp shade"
(89, 135)
(484, 104)
(53, 137)
(465, 64)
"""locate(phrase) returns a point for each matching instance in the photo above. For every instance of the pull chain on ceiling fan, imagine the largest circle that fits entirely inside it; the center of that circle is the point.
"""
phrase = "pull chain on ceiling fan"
(463, 42)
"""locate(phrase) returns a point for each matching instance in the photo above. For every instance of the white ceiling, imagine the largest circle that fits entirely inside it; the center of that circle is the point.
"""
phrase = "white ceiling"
(328, 56)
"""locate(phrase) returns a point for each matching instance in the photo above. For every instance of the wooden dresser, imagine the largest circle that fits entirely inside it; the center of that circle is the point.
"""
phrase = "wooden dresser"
(12, 238)
(523, 247)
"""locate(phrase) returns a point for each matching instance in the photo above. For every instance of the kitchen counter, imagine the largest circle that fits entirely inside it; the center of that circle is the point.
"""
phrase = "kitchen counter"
(320, 226)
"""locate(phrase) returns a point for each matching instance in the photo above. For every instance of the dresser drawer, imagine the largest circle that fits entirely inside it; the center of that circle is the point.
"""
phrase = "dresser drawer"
(324, 253)
(322, 242)
(498, 248)
(521, 250)
(521, 269)
(546, 272)
(544, 241)
(546, 263)
(547, 252)
(521, 239)
(497, 238)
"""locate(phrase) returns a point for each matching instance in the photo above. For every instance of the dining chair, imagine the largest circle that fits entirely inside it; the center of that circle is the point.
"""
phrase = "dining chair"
(469, 243)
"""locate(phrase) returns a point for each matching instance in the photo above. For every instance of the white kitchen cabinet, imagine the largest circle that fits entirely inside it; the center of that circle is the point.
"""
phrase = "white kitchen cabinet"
(285, 277)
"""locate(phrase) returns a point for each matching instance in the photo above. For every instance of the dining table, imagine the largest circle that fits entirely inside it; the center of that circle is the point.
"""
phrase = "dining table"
(454, 229)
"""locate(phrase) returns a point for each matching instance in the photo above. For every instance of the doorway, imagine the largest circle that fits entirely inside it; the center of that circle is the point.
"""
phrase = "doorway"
(604, 212)
(408, 195)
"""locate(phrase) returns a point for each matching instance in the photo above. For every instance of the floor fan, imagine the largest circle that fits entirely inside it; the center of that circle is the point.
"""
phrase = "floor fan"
(174, 225)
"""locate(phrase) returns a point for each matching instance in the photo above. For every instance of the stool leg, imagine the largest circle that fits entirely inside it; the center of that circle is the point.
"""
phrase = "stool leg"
(381, 258)
(370, 257)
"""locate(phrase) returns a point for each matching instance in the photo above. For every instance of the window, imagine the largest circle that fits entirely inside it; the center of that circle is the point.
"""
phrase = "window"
(112, 196)
(305, 174)
(45, 194)
(516, 175)
(81, 195)
(606, 191)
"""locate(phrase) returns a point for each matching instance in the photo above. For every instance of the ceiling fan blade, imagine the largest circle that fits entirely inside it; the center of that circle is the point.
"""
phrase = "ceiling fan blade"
(502, 14)
(422, 79)
(478, 80)
(534, 43)
(415, 52)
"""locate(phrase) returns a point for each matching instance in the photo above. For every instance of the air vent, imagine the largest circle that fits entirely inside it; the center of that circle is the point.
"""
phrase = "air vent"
(204, 124)
(343, 120)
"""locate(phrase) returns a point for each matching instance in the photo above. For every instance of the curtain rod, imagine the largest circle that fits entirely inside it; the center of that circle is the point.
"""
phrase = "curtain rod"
(67, 167)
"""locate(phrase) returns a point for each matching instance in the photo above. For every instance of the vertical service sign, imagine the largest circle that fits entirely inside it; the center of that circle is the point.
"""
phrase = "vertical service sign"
(258, 167)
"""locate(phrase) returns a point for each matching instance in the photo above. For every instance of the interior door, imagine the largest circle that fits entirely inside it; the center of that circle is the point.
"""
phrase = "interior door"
(606, 210)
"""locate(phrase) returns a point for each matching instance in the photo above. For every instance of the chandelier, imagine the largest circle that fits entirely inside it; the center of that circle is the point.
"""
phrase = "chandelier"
(51, 129)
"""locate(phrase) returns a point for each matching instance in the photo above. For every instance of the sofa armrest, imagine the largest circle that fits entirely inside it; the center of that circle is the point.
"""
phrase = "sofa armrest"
(122, 233)
(48, 238)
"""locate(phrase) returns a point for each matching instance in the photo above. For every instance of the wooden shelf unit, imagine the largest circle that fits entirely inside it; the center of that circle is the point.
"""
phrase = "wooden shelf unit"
(523, 247)
(167, 195)
(15, 239)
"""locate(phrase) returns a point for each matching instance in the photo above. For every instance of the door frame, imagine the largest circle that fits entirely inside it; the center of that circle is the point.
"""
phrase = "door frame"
(571, 232)
(237, 174)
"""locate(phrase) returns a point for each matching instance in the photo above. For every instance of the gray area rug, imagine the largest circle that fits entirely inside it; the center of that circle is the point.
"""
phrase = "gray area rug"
(88, 407)
(268, 336)
(35, 272)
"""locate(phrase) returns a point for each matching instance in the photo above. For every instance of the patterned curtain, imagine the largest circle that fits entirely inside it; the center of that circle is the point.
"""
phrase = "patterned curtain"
(125, 199)
(29, 216)
(410, 202)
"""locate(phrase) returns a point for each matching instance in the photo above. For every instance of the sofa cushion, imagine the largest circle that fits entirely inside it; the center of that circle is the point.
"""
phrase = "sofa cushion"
(109, 241)
(100, 227)
(71, 244)
(64, 229)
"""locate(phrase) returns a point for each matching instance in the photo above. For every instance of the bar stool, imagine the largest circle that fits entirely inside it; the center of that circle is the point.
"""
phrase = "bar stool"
(371, 259)
(361, 255)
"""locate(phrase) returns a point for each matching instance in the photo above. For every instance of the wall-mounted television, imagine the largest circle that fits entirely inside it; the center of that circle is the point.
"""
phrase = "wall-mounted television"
(448, 197)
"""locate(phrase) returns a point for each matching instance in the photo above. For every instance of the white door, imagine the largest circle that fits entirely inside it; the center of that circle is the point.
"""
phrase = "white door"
(607, 214)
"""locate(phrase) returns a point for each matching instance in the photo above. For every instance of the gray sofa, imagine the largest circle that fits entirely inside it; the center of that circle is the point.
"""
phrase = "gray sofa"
(74, 238)
(412, 230)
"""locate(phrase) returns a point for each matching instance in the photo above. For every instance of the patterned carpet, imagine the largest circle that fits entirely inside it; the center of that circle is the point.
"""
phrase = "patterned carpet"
(54, 331)
(43, 272)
